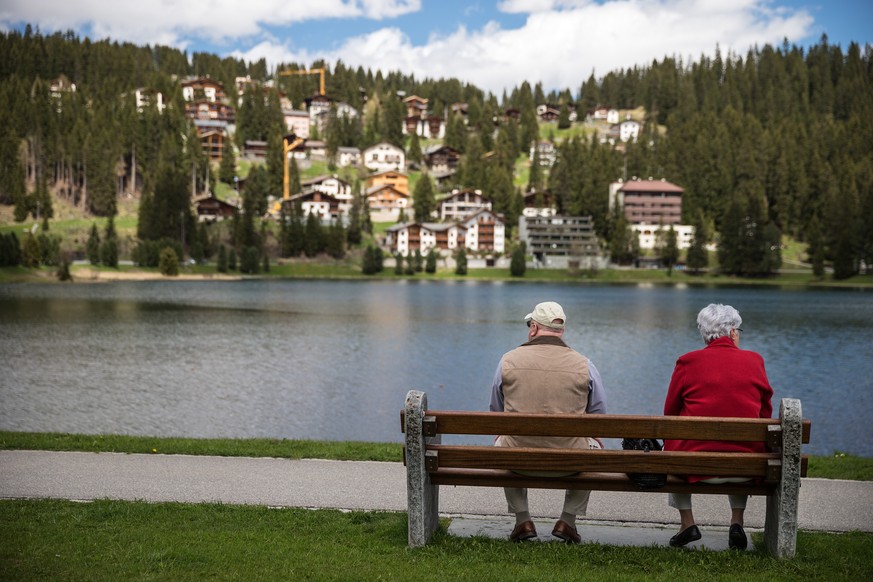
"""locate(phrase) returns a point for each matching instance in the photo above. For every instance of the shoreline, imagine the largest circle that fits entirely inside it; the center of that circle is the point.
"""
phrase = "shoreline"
(291, 271)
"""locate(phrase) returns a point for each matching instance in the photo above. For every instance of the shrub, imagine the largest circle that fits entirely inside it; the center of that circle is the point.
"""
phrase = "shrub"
(168, 263)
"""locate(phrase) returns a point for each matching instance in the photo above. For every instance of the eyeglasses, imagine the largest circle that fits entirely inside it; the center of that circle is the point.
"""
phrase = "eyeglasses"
(738, 328)
(528, 323)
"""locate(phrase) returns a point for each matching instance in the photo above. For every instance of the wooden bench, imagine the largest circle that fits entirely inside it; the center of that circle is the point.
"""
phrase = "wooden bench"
(777, 472)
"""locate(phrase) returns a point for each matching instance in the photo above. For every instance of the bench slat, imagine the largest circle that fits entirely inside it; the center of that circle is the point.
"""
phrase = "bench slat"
(673, 463)
(604, 425)
(591, 481)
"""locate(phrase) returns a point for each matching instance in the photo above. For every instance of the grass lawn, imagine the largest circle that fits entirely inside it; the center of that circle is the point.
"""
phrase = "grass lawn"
(114, 540)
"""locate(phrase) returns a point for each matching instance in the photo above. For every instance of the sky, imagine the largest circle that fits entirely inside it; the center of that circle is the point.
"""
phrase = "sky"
(494, 45)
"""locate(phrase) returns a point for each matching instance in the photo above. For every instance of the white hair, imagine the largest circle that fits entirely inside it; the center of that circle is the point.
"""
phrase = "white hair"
(717, 320)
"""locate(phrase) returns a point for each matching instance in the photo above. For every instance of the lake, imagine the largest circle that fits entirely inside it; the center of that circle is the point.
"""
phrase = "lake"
(301, 359)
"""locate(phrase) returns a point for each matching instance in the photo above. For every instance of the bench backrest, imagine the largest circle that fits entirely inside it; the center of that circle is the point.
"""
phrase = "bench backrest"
(766, 466)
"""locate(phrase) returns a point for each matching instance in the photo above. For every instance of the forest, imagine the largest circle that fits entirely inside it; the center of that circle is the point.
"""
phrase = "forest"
(776, 141)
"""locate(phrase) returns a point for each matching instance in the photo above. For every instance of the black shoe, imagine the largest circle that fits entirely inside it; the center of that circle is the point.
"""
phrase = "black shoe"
(737, 538)
(686, 536)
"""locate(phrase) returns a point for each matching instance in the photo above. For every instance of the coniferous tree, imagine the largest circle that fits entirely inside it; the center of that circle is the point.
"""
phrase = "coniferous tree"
(398, 263)
(669, 251)
(227, 167)
(413, 154)
(517, 264)
(92, 248)
(697, 257)
(30, 252)
(109, 247)
(231, 259)
(221, 262)
(424, 199)
(430, 263)
(461, 262)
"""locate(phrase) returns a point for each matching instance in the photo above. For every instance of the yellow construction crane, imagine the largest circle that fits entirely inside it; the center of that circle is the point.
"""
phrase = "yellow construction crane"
(319, 72)
(290, 142)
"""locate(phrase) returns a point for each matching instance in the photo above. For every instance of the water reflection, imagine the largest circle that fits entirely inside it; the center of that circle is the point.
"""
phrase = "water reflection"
(298, 359)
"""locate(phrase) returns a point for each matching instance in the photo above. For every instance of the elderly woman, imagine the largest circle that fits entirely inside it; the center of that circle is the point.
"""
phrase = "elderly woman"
(719, 380)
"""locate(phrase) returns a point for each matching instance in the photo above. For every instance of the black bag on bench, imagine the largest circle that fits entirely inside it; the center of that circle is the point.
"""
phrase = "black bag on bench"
(645, 480)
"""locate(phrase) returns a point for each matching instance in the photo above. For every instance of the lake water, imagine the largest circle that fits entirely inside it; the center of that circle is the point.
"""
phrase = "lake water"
(333, 360)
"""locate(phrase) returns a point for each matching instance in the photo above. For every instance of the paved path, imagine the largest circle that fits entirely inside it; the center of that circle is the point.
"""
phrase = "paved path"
(825, 504)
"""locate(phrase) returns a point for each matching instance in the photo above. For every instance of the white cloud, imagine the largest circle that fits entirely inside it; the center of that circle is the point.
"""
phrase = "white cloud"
(560, 48)
(172, 21)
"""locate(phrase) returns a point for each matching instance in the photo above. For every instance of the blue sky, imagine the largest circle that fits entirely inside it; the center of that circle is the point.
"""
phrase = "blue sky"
(495, 45)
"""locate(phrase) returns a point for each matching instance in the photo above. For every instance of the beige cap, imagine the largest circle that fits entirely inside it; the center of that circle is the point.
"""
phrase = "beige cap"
(546, 314)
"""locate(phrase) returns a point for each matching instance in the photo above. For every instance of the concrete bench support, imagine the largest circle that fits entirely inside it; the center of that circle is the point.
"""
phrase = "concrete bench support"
(780, 526)
(422, 496)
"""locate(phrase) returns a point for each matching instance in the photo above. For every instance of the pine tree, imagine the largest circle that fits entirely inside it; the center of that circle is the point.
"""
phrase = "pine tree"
(430, 263)
(30, 252)
(92, 248)
(461, 262)
(697, 257)
(227, 167)
(424, 199)
(221, 263)
(413, 154)
(669, 252)
(517, 265)
(398, 264)
(109, 248)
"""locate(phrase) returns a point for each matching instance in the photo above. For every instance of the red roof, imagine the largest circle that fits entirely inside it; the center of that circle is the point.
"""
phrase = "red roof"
(651, 186)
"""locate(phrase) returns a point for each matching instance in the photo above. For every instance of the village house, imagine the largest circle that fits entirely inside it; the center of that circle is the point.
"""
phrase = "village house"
(483, 231)
(629, 130)
(198, 88)
(385, 202)
(462, 203)
(214, 110)
(348, 156)
(326, 207)
(415, 106)
(255, 149)
(149, 98)
(211, 134)
(539, 203)
(547, 153)
(333, 185)
(212, 209)
(390, 178)
(296, 122)
(316, 105)
(548, 113)
(384, 156)
(441, 158)
(315, 149)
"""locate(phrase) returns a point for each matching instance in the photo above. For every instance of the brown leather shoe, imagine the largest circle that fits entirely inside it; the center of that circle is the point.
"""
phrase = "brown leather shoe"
(523, 531)
(567, 533)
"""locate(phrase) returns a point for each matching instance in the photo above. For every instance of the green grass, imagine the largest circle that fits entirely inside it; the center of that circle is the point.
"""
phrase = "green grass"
(279, 448)
(117, 540)
(837, 466)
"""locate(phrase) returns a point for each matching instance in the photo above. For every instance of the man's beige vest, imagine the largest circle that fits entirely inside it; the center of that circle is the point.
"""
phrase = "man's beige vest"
(545, 376)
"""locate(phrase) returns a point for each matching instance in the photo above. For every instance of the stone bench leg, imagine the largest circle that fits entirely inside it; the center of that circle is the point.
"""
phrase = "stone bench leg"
(780, 527)
(422, 497)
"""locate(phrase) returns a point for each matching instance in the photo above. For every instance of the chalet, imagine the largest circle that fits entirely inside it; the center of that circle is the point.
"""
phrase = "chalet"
(389, 178)
(348, 156)
(296, 122)
(441, 158)
(629, 130)
(462, 203)
(408, 237)
(384, 156)
(203, 88)
(512, 113)
(255, 149)
(206, 109)
(148, 98)
(333, 185)
(324, 206)
(539, 203)
(484, 231)
(211, 134)
(547, 152)
(415, 106)
(210, 208)
(460, 109)
(60, 86)
(548, 113)
(316, 105)
(430, 127)
(612, 116)
(386, 202)
(315, 149)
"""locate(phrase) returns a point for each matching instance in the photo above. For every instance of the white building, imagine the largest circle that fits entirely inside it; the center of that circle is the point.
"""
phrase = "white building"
(384, 156)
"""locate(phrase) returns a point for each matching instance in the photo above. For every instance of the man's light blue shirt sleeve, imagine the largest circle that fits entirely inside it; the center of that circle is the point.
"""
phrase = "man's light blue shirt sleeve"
(497, 389)
(596, 393)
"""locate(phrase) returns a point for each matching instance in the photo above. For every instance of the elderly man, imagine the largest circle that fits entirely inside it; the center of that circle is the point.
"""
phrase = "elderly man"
(545, 375)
